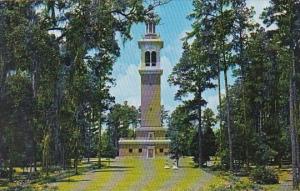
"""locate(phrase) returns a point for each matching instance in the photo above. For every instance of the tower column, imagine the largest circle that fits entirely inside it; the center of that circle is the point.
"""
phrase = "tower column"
(150, 98)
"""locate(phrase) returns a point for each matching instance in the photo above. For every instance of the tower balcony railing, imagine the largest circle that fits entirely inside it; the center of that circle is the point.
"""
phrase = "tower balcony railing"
(152, 65)
(152, 36)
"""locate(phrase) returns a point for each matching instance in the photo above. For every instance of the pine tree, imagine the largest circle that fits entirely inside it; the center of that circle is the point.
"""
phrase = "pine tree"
(287, 17)
(193, 75)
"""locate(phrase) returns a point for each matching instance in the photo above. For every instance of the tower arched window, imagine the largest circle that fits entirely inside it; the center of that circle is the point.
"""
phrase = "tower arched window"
(153, 58)
(147, 58)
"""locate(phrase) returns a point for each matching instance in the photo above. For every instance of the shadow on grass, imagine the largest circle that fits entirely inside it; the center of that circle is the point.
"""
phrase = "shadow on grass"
(187, 166)
(121, 167)
(71, 180)
(111, 170)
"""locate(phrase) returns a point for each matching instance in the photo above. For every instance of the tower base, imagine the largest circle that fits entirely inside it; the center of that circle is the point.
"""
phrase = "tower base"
(144, 148)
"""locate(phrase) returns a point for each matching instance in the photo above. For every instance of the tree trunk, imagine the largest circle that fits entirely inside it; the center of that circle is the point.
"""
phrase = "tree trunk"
(293, 129)
(89, 143)
(99, 139)
(11, 170)
(294, 139)
(220, 103)
(33, 124)
(245, 129)
(228, 117)
(58, 96)
(76, 164)
(228, 105)
(242, 64)
(200, 158)
(64, 157)
(34, 155)
(294, 41)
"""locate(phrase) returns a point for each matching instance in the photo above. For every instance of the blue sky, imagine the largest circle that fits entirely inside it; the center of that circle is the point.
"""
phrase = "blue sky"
(172, 29)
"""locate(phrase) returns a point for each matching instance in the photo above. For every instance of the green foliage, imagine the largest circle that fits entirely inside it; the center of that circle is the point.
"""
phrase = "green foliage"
(180, 132)
(55, 74)
(238, 185)
(108, 149)
(31, 188)
(121, 121)
(263, 175)
(184, 137)
(209, 121)
(4, 173)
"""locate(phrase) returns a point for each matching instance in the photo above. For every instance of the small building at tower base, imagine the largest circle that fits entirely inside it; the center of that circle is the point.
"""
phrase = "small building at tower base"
(149, 143)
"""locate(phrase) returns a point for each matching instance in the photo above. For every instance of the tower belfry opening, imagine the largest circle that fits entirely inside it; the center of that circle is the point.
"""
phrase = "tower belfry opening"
(150, 28)
(150, 140)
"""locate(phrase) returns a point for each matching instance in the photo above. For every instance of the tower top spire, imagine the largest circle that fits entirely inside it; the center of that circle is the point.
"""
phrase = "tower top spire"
(151, 22)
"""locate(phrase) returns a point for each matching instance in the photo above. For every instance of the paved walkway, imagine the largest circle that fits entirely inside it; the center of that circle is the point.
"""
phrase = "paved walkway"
(177, 175)
(148, 175)
(287, 186)
(118, 174)
(201, 181)
(80, 186)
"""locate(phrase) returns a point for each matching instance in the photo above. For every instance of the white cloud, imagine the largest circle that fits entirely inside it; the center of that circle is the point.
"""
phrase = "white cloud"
(128, 86)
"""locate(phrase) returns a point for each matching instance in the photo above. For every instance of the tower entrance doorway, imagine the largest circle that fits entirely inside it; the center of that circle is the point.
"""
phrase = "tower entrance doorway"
(150, 152)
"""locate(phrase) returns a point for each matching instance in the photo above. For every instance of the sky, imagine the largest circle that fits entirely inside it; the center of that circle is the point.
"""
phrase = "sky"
(172, 29)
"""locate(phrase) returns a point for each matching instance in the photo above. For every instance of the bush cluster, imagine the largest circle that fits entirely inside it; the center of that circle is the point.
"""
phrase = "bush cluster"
(4, 173)
(263, 175)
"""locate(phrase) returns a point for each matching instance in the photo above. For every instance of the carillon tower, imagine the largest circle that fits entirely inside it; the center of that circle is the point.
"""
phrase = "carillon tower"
(150, 72)
(150, 138)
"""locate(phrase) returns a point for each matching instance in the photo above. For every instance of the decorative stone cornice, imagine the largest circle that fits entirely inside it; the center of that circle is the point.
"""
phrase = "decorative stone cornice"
(151, 142)
(150, 71)
(150, 129)
(151, 41)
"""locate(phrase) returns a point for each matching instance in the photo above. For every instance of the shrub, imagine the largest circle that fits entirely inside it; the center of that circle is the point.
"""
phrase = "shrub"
(4, 173)
(263, 175)
(31, 188)
(236, 184)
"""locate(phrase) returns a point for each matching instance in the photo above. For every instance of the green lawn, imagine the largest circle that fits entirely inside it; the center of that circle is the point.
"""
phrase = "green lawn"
(130, 174)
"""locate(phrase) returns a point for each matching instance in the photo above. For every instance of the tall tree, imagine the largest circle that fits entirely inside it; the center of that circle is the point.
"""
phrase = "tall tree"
(213, 21)
(193, 75)
(286, 15)
(243, 24)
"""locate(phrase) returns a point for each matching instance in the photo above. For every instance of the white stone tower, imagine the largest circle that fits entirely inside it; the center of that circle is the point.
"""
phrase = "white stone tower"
(150, 137)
